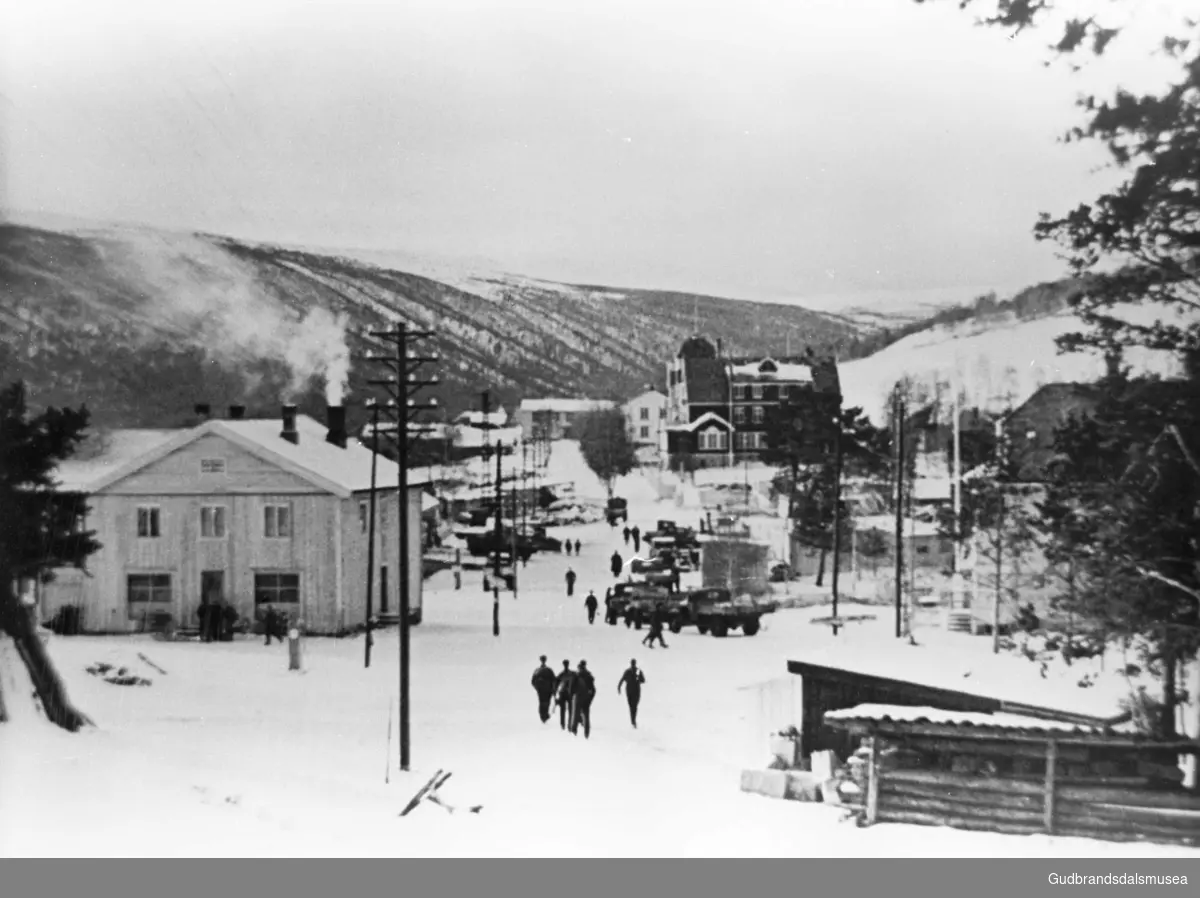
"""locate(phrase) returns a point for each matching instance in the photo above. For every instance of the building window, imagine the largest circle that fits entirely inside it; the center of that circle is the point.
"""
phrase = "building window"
(362, 517)
(212, 466)
(713, 440)
(277, 521)
(212, 522)
(783, 391)
(739, 391)
(644, 433)
(276, 589)
(756, 391)
(757, 415)
(148, 522)
(147, 589)
(644, 414)
(739, 415)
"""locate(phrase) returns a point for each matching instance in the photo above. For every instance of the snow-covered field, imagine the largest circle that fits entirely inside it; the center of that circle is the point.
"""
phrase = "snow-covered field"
(995, 364)
(230, 754)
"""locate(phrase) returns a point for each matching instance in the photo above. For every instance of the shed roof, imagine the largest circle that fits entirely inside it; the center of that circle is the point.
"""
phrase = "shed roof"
(963, 680)
(872, 713)
(705, 419)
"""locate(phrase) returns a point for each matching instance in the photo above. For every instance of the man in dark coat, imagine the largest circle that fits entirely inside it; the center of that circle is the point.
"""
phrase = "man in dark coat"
(636, 533)
(625, 533)
(207, 619)
(583, 691)
(564, 685)
(567, 546)
(570, 582)
(657, 618)
(543, 684)
(591, 604)
(271, 624)
(632, 681)
(577, 547)
(616, 565)
(609, 617)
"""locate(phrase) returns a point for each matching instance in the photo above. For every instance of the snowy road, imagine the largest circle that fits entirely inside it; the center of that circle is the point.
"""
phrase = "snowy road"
(230, 754)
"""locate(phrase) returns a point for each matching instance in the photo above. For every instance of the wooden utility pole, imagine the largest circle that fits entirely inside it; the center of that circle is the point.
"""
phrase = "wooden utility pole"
(371, 531)
(899, 425)
(402, 383)
(837, 508)
(498, 543)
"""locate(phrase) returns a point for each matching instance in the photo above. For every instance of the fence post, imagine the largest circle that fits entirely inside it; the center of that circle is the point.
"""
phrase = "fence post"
(872, 804)
(1048, 793)
(293, 648)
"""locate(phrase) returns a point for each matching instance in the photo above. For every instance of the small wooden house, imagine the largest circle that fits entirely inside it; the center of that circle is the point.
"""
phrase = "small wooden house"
(1016, 774)
(251, 512)
(832, 686)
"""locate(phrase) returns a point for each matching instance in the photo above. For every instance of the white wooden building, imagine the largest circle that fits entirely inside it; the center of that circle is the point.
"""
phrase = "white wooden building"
(251, 511)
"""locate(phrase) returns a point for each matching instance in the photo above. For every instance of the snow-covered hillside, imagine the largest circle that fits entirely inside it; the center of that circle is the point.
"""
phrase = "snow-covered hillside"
(995, 363)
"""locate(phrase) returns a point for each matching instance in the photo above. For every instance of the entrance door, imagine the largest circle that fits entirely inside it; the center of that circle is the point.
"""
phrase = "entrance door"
(212, 586)
(383, 589)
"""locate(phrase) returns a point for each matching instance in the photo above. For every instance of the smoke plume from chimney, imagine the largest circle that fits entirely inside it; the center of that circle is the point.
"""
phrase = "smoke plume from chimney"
(220, 302)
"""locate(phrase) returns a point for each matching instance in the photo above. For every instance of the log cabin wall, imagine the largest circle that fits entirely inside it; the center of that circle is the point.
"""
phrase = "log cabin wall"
(1067, 788)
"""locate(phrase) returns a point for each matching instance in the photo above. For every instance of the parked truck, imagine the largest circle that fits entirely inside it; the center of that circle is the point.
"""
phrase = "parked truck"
(715, 610)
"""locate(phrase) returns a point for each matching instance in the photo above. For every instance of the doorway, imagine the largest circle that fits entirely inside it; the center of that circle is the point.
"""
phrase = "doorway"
(212, 586)
(383, 589)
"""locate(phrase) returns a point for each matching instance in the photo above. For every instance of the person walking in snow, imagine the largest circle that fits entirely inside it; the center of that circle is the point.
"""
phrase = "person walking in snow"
(616, 565)
(543, 684)
(632, 681)
(609, 616)
(564, 686)
(625, 533)
(591, 604)
(583, 690)
(577, 547)
(567, 546)
(656, 629)
(570, 582)
(636, 533)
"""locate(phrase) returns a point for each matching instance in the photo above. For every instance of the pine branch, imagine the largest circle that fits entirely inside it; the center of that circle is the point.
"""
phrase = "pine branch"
(1169, 581)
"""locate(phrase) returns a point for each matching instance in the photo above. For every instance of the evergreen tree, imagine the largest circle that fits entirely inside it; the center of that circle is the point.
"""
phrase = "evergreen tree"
(605, 444)
(40, 527)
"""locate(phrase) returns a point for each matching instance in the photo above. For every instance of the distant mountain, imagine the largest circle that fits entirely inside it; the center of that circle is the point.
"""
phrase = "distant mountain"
(141, 324)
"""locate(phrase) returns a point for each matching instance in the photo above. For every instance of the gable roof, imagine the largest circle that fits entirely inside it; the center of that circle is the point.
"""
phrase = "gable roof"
(785, 372)
(326, 466)
(707, 381)
(118, 448)
(706, 418)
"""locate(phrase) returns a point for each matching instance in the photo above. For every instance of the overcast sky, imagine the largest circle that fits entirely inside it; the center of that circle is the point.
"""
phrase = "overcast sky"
(758, 149)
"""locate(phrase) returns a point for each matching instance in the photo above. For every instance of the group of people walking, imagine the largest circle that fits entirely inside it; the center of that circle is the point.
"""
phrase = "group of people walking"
(567, 545)
(573, 691)
(634, 533)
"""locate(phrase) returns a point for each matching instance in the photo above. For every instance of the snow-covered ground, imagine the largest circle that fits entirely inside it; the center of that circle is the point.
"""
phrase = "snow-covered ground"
(995, 364)
(230, 754)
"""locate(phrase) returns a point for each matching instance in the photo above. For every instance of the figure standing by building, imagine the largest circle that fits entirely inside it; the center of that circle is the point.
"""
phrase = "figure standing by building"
(632, 681)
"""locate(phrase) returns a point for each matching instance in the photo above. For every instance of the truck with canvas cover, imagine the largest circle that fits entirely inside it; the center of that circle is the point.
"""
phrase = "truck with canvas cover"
(641, 608)
(715, 610)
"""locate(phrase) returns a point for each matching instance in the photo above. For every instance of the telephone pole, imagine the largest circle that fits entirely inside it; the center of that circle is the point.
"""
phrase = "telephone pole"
(374, 406)
(898, 414)
(402, 383)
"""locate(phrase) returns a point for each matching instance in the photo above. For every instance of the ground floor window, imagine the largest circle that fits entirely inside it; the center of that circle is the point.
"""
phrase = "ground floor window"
(146, 589)
(276, 589)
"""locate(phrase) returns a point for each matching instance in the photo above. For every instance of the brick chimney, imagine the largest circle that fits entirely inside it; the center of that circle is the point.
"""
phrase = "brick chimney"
(336, 419)
(289, 431)
(203, 410)
(237, 412)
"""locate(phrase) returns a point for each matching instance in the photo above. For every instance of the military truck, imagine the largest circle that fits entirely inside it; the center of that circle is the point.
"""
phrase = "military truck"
(485, 544)
(715, 610)
(626, 594)
(684, 537)
(617, 510)
(641, 608)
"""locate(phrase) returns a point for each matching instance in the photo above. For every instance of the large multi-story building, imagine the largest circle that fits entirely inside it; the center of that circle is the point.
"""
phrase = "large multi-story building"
(645, 418)
(718, 406)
